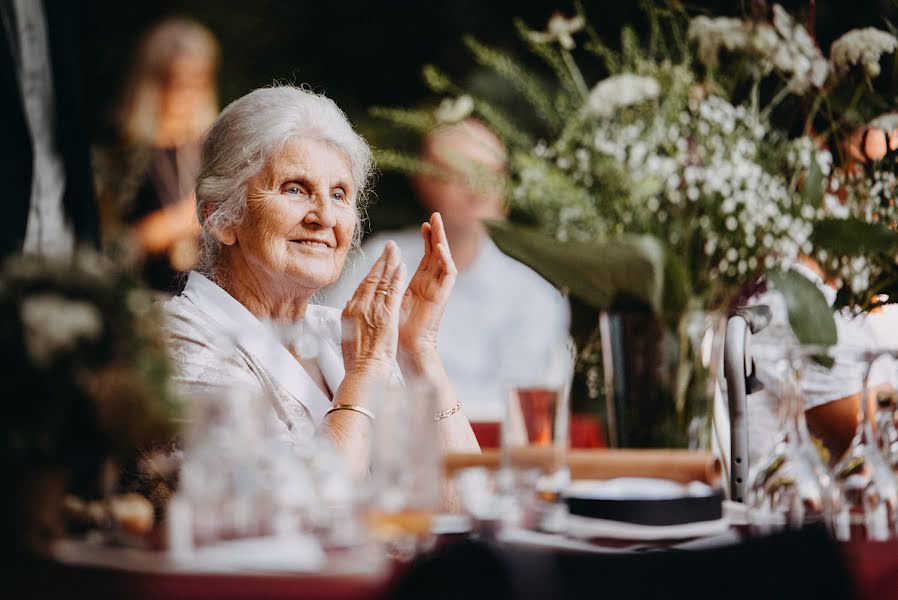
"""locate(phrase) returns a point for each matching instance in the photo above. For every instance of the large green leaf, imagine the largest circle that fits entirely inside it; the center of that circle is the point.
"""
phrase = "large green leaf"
(853, 237)
(810, 315)
(634, 268)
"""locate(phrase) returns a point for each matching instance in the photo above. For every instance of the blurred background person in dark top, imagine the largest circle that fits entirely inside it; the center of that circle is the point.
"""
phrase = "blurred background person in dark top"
(47, 201)
(146, 180)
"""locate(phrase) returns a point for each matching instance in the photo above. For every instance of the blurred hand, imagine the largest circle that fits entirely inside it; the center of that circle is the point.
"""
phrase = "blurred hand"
(371, 317)
(428, 292)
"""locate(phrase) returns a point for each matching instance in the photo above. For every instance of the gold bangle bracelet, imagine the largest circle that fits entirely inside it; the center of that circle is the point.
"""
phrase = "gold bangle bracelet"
(448, 413)
(358, 409)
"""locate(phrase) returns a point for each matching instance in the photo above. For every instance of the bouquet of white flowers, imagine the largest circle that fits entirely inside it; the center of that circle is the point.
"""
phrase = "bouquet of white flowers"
(701, 161)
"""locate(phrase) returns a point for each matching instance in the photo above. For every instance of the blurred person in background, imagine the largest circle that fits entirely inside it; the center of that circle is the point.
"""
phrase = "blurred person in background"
(48, 205)
(279, 196)
(146, 180)
(504, 324)
(831, 395)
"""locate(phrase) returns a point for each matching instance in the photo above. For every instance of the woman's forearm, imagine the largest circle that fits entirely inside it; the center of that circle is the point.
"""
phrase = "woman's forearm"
(350, 431)
(454, 431)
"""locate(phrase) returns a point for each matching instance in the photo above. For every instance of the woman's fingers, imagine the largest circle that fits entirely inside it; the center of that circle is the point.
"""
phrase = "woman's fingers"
(426, 230)
(438, 230)
(371, 318)
(375, 274)
(394, 299)
(447, 265)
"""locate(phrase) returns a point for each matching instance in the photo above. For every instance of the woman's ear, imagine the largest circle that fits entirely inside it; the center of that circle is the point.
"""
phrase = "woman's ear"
(225, 235)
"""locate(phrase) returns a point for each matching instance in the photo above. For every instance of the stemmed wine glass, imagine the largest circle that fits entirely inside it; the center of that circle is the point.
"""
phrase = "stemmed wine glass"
(791, 486)
(867, 484)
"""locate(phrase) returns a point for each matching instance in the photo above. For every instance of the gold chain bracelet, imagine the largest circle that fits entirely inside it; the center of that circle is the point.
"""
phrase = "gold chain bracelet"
(448, 413)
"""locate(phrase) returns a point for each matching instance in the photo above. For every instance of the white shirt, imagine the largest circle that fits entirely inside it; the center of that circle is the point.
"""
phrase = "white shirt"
(819, 385)
(504, 324)
(47, 231)
(215, 341)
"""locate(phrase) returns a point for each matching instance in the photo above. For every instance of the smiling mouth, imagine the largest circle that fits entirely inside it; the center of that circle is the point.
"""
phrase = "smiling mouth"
(312, 244)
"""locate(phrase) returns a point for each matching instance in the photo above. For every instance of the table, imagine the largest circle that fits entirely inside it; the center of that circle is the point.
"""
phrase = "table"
(516, 569)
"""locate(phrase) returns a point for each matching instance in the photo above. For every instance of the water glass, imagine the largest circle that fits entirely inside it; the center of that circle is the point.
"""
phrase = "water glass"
(405, 466)
(221, 479)
(534, 454)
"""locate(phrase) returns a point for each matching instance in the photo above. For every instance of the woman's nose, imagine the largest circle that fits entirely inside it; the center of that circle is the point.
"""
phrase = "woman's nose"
(322, 212)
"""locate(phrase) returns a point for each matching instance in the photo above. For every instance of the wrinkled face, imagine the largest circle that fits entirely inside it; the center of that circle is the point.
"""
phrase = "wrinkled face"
(470, 161)
(300, 216)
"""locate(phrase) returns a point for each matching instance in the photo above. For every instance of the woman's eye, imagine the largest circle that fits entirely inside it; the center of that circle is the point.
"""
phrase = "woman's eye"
(294, 189)
(338, 195)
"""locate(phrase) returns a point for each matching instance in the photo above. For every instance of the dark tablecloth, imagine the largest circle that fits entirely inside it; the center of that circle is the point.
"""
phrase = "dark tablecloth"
(794, 565)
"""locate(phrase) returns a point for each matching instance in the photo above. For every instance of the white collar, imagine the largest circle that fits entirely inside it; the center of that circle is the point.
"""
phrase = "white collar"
(260, 341)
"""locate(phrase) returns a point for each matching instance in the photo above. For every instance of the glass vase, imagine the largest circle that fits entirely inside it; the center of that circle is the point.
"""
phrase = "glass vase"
(659, 378)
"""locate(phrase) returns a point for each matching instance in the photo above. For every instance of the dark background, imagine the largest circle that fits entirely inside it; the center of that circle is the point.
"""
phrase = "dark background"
(363, 54)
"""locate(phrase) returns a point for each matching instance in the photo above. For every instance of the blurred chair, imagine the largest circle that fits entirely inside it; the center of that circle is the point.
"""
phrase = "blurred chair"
(739, 372)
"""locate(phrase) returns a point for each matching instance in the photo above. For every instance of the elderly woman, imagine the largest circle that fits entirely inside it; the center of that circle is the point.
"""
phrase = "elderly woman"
(279, 197)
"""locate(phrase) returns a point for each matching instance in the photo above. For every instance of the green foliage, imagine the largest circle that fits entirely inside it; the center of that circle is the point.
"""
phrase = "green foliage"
(810, 316)
(605, 275)
(849, 237)
(86, 367)
(420, 121)
(530, 87)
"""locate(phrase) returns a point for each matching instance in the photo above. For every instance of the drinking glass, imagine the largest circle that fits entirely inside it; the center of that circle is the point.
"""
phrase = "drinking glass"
(534, 441)
(886, 427)
(405, 466)
(868, 486)
(792, 486)
(221, 479)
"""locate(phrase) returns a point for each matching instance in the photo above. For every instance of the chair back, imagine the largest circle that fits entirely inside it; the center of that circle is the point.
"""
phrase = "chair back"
(738, 370)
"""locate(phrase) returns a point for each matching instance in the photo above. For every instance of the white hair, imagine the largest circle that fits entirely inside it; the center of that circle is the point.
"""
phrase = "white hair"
(243, 138)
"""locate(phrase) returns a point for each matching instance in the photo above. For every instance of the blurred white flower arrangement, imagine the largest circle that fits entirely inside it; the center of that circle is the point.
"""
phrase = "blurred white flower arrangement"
(732, 142)
(53, 324)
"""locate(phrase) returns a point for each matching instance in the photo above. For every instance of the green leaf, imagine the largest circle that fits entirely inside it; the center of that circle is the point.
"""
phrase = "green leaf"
(812, 190)
(602, 274)
(421, 121)
(810, 316)
(853, 237)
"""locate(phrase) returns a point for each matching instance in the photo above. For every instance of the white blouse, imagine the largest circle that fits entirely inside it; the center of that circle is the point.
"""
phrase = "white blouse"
(215, 341)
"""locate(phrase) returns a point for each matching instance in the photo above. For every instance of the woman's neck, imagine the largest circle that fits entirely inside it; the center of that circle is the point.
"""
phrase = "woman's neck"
(265, 297)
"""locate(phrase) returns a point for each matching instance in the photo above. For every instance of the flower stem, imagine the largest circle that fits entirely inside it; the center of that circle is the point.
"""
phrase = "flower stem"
(576, 75)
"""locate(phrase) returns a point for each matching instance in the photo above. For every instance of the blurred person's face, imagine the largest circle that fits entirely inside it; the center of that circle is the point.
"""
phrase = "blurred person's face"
(186, 87)
(300, 216)
(470, 161)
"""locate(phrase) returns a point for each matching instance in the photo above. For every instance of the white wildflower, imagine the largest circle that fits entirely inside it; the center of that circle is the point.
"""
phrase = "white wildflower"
(619, 91)
(559, 29)
(713, 35)
(791, 50)
(455, 110)
(52, 324)
(862, 47)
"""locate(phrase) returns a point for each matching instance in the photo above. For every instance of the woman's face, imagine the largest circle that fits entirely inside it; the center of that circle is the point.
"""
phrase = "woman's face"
(300, 216)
